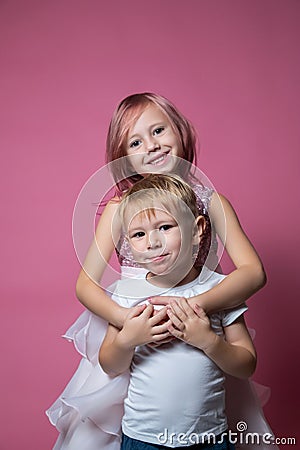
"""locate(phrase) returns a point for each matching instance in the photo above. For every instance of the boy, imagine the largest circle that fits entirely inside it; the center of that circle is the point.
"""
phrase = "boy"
(176, 395)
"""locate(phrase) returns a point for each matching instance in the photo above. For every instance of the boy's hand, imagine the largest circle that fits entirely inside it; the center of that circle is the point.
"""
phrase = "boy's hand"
(142, 327)
(189, 324)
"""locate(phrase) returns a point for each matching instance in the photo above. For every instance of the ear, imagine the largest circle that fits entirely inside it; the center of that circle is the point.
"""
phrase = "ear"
(199, 228)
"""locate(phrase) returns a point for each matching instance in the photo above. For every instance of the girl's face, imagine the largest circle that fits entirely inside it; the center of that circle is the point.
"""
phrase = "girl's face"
(152, 143)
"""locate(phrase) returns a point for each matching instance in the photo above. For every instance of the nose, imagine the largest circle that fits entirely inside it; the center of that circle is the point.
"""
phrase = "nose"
(154, 239)
(152, 144)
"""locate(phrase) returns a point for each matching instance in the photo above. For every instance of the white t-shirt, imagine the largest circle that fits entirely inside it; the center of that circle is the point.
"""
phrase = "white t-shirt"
(175, 392)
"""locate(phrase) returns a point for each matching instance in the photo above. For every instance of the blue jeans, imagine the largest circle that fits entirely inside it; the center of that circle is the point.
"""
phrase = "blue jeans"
(132, 444)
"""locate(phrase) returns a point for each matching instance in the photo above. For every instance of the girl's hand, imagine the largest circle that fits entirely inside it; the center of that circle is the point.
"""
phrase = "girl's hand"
(142, 327)
(164, 300)
(189, 324)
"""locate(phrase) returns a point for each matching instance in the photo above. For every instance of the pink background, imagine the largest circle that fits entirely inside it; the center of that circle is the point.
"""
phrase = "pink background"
(232, 67)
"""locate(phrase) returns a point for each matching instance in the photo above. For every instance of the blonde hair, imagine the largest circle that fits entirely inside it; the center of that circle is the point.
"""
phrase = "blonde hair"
(158, 191)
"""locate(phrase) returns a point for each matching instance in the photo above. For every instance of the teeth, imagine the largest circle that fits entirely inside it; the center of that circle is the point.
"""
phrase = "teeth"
(158, 160)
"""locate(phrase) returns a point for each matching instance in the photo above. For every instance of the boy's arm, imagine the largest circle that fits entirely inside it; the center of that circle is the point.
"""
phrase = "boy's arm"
(236, 355)
(140, 328)
(113, 357)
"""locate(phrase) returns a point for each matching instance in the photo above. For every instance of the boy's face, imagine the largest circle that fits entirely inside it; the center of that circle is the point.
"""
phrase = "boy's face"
(161, 243)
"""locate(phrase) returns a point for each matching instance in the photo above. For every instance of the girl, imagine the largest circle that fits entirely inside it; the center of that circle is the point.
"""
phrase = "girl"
(147, 134)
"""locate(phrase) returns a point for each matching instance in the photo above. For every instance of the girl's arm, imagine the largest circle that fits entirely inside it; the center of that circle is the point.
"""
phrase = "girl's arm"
(140, 327)
(89, 293)
(249, 275)
(236, 355)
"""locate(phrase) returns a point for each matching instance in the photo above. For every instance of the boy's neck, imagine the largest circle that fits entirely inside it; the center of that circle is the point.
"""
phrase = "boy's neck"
(171, 280)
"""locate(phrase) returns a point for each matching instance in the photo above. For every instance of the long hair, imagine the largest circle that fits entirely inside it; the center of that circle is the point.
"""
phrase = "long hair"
(125, 116)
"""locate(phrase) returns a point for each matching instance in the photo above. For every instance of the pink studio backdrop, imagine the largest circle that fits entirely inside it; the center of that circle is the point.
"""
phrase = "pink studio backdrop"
(232, 67)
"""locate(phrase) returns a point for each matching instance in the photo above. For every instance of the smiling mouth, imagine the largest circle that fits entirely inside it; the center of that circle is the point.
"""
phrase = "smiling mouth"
(157, 258)
(158, 159)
